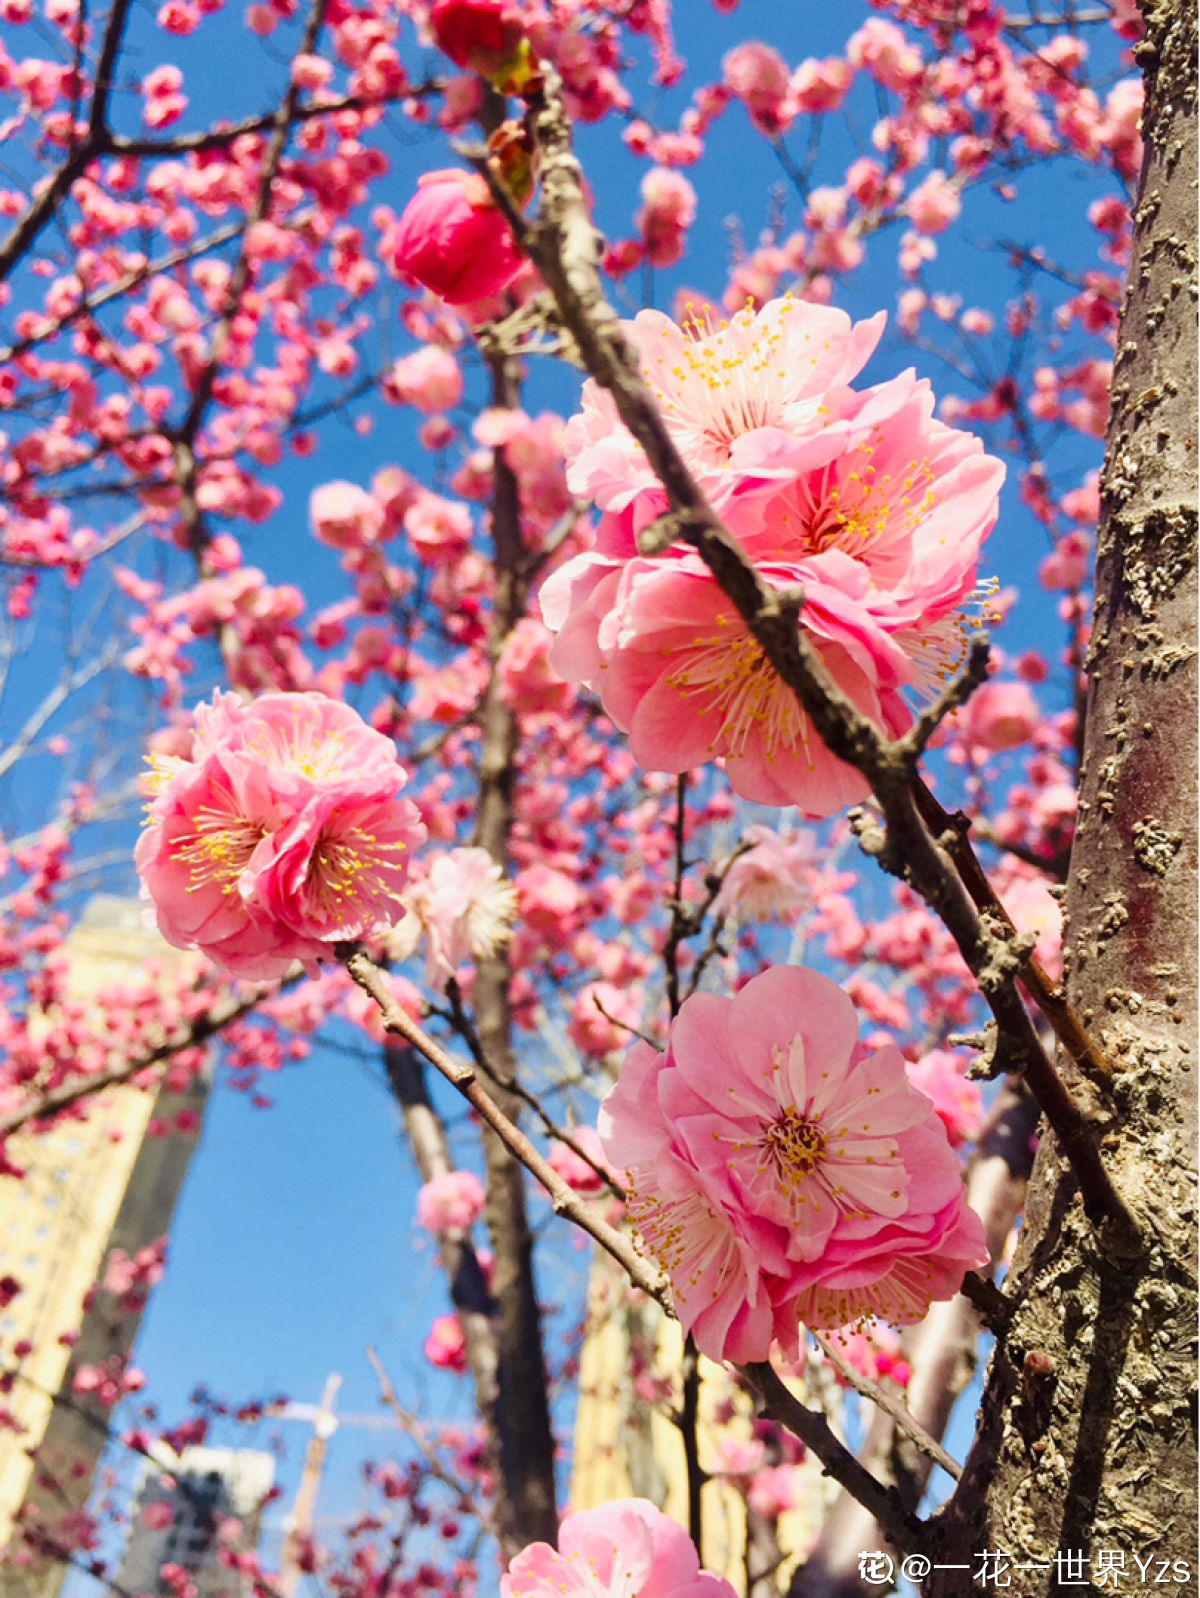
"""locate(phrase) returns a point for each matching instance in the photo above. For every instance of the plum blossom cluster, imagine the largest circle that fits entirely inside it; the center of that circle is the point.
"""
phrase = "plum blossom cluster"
(783, 1174)
(876, 510)
(282, 834)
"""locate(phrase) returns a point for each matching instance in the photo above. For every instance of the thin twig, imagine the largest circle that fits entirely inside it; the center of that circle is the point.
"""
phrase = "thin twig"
(465, 1503)
(891, 1405)
(565, 1200)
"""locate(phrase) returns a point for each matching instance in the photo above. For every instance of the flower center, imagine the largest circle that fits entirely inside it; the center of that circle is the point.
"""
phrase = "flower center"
(304, 745)
(937, 649)
(739, 688)
(685, 1236)
(724, 384)
(852, 510)
(796, 1145)
(347, 870)
(219, 850)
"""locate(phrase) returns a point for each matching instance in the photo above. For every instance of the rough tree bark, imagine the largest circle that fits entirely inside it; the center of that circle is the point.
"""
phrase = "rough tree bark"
(1087, 1438)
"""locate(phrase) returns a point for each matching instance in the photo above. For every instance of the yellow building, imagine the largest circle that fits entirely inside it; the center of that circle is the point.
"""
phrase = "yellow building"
(627, 1445)
(91, 1185)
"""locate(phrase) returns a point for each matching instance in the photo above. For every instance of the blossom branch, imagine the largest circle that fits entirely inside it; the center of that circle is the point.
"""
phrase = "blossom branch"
(464, 1501)
(122, 285)
(893, 1407)
(461, 1021)
(68, 1093)
(779, 1403)
(46, 200)
(217, 138)
(183, 437)
(565, 246)
(462, 1078)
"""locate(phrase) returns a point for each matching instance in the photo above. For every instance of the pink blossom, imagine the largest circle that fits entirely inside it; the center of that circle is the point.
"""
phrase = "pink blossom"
(550, 901)
(821, 85)
(739, 1456)
(453, 240)
(311, 71)
(910, 304)
(576, 1172)
(281, 835)
(528, 682)
(777, 1489)
(878, 514)
(874, 1351)
(868, 183)
(748, 1185)
(880, 48)
(934, 204)
(345, 516)
(668, 210)
(1068, 566)
(178, 16)
(914, 251)
(165, 102)
(625, 1547)
(439, 529)
(602, 1018)
(758, 75)
(452, 1201)
(771, 881)
(445, 1347)
(1025, 894)
(957, 1100)
(1122, 125)
(429, 378)
(730, 395)
(466, 909)
(480, 34)
(999, 715)
(896, 1273)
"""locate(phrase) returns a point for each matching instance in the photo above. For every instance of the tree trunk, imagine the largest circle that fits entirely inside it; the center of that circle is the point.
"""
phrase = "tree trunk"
(1087, 1445)
(525, 1494)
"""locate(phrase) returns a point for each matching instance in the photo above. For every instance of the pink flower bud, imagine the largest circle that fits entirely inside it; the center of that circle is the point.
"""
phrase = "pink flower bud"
(453, 240)
(445, 1346)
(480, 34)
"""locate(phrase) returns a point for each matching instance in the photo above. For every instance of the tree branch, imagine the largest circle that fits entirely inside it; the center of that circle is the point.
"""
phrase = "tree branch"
(782, 1405)
(565, 247)
(462, 1078)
